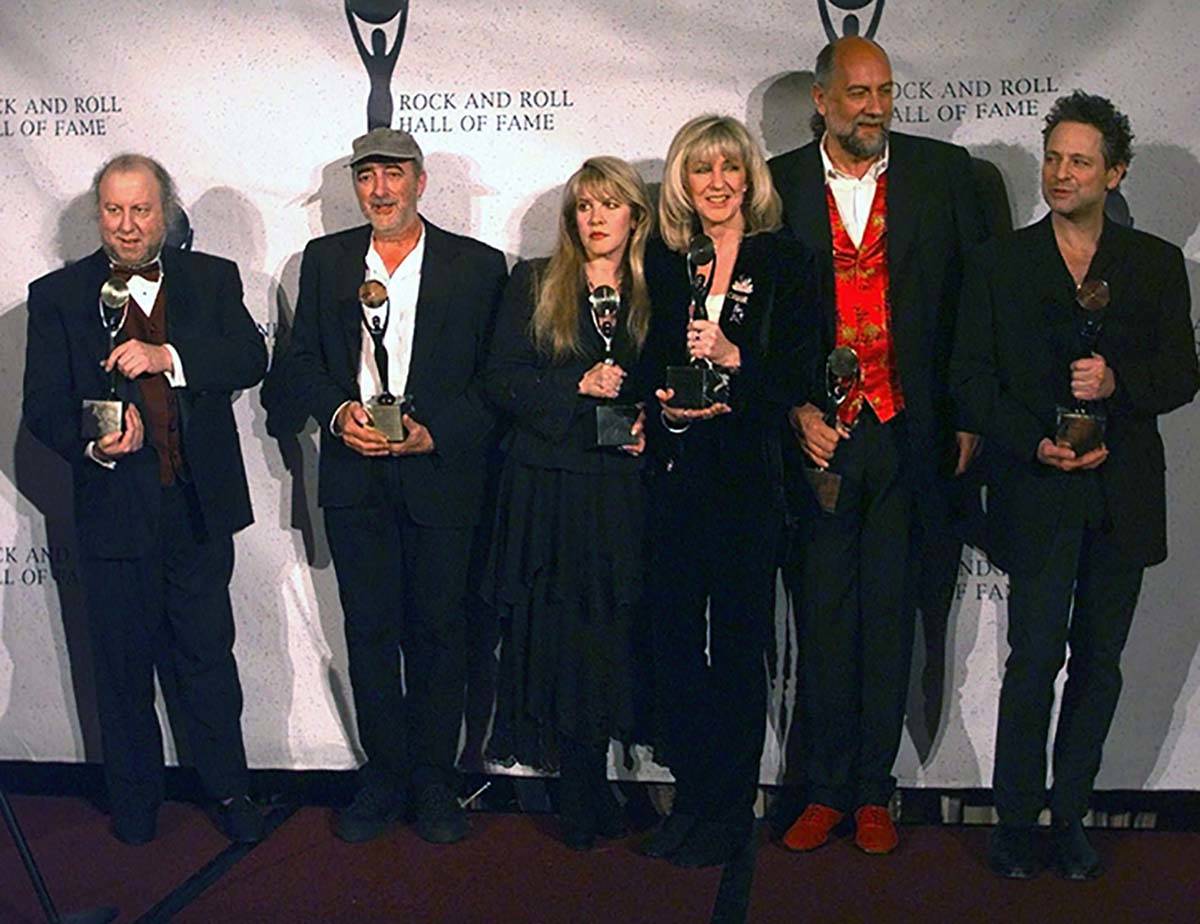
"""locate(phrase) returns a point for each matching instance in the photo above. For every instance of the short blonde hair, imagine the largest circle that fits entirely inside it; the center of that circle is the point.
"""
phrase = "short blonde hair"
(703, 136)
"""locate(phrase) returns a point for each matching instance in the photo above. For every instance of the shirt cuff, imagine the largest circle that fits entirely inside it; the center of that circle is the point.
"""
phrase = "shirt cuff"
(175, 376)
(90, 451)
(333, 420)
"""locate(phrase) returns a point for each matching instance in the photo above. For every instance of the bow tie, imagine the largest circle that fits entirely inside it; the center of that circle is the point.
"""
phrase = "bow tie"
(151, 272)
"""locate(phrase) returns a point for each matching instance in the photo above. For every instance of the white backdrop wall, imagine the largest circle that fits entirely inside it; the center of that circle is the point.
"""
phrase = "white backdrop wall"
(252, 106)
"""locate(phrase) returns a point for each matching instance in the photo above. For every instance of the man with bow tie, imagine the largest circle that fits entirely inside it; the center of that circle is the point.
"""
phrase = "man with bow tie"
(156, 503)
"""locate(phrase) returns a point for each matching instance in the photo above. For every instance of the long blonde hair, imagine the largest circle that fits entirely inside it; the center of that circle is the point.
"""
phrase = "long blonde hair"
(555, 323)
(701, 137)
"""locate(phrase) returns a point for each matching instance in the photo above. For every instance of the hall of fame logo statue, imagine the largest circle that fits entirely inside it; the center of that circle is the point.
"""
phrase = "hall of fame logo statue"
(377, 57)
(852, 22)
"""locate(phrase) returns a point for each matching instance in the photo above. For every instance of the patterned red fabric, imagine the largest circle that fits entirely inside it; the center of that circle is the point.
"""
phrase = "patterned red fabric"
(162, 409)
(863, 310)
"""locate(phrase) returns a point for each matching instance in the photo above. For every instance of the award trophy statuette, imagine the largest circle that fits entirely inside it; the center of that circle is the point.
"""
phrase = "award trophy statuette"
(1080, 424)
(841, 375)
(699, 384)
(614, 422)
(385, 410)
(102, 416)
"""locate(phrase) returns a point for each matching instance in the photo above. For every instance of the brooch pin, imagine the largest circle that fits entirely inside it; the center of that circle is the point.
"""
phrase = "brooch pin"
(739, 293)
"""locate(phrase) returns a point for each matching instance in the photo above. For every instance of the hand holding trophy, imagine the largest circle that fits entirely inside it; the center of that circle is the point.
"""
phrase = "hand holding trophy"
(842, 374)
(102, 416)
(385, 410)
(614, 422)
(1080, 424)
(699, 384)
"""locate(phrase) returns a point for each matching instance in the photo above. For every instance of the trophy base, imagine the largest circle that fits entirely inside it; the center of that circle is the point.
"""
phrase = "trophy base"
(696, 387)
(388, 419)
(1079, 430)
(614, 424)
(101, 417)
(826, 485)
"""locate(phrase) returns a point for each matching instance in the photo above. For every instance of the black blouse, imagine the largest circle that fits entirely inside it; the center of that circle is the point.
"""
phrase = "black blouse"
(553, 426)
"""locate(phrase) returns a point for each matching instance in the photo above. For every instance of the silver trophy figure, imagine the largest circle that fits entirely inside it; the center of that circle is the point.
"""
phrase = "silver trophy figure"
(102, 416)
(1081, 424)
(385, 409)
(614, 422)
(699, 384)
(842, 373)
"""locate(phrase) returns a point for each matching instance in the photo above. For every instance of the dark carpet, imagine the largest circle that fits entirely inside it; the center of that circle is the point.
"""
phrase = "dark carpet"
(513, 869)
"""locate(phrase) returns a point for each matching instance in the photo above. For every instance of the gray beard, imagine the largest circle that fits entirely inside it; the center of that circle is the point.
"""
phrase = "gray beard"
(861, 149)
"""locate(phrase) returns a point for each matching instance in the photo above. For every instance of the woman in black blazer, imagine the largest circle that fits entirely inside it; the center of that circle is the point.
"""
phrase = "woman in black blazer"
(566, 560)
(716, 486)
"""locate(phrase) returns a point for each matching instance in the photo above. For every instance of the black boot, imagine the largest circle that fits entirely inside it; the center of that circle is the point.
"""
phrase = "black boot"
(609, 813)
(1074, 856)
(1012, 852)
(576, 815)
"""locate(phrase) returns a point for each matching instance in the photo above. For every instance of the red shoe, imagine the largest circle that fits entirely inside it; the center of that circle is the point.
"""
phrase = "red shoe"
(812, 829)
(874, 830)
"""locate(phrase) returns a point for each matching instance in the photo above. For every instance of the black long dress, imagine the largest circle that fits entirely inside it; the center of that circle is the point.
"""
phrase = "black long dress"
(716, 525)
(566, 562)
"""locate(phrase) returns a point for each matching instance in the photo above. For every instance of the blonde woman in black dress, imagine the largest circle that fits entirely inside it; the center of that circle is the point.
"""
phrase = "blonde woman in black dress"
(566, 561)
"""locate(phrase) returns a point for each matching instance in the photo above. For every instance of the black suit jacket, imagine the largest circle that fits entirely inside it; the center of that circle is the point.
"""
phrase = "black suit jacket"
(773, 286)
(222, 351)
(1018, 333)
(461, 283)
(934, 217)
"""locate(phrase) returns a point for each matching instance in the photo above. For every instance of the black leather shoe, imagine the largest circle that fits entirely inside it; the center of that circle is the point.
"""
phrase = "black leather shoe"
(1074, 856)
(1012, 853)
(375, 808)
(135, 828)
(669, 836)
(610, 814)
(240, 821)
(711, 843)
(440, 819)
(577, 833)
(576, 816)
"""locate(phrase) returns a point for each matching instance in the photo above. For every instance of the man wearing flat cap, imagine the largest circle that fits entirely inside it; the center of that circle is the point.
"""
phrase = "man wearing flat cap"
(393, 318)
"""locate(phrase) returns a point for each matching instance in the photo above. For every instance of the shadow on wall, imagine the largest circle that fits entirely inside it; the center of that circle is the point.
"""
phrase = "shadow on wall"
(778, 111)
(1021, 170)
(44, 485)
(1163, 191)
(229, 225)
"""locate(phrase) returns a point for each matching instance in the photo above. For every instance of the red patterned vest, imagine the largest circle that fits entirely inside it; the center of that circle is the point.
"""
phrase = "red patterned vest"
(863, 310)
(158, 400)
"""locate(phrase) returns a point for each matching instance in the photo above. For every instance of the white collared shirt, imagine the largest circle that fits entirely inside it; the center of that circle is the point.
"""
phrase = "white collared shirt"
(403, 286)
(853, 196)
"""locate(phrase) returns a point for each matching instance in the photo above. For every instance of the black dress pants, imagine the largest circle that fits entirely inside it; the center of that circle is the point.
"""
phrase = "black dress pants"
(858, 619)
(710, 673)
(403, 592)
(1080, 601)
(175, 601)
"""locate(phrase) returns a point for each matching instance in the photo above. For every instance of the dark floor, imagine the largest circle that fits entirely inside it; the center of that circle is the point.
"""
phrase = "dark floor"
(513, 869)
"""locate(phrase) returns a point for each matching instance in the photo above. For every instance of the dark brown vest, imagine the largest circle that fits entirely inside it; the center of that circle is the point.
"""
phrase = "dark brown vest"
(158, 400)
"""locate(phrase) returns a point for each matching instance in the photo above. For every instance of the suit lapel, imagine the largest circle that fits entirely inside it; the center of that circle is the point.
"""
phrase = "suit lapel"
(903, 201)
(437, 279)
(809, 216)
(349, 274)
(179, 283)
(95, 271)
